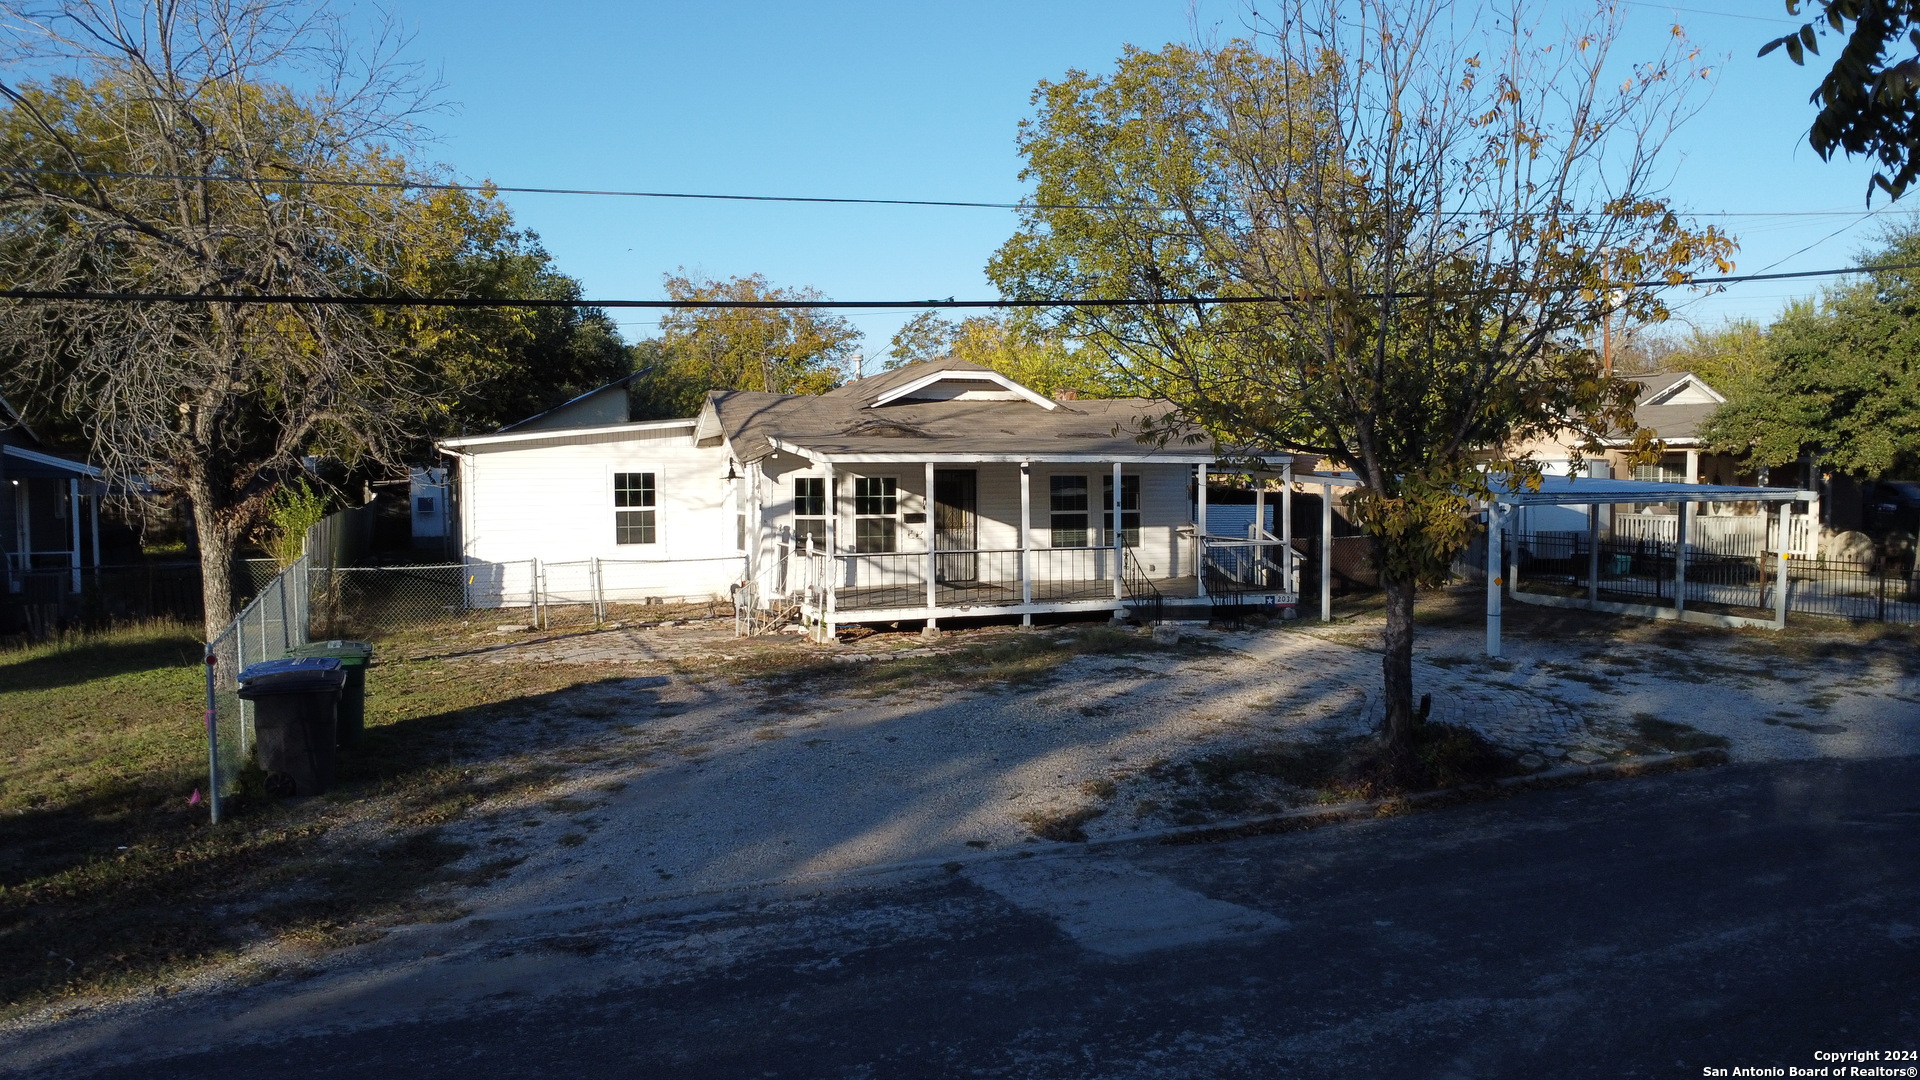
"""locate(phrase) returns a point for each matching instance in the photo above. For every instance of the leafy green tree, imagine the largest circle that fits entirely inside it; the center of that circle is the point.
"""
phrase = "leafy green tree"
(779, 350)
(221, 400)
(1870, 98)
(1732, 358)
(1841, 377)
(483, 368)
(1035, 355)
(926, 336)
(1423, 217)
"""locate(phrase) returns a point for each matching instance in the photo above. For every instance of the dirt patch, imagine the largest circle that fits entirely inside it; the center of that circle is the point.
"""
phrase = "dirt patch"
(1673, 737)
(1283, 775)
(1063, 826)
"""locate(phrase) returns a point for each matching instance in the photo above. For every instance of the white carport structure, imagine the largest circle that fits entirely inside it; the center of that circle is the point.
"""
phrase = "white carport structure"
(1503, 563)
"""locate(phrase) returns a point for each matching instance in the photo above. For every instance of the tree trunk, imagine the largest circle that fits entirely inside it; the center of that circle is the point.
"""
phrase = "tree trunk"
(1397, 666)
(216, 554)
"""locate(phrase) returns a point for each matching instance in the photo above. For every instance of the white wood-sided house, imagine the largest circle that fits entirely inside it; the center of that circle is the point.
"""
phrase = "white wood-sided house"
(49, 509)
(933, 491)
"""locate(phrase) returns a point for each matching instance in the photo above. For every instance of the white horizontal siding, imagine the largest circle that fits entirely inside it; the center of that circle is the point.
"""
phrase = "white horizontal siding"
(1165, 548)
(555, 503)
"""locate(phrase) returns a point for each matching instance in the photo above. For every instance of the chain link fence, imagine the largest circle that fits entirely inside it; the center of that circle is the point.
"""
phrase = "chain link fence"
(275, 621)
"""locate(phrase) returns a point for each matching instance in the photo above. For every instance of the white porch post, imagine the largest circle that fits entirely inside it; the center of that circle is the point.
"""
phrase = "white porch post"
(933, 567)
(1494, 548)
(1326, 553)
(1026, 540)
(1593, 554)
(1286, 527)
(1119, 551)
(1693, 466)
(833, 552)
(1199, 527)
(1680, 561)
(756, 520)
(1259, 509)
(1780, 579)
(23, 526)
(73, 520)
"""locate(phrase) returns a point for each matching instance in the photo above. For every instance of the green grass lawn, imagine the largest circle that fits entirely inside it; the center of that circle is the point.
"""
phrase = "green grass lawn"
(110, 879)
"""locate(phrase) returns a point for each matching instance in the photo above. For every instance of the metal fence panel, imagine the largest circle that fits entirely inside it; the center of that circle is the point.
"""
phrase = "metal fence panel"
(272, 623)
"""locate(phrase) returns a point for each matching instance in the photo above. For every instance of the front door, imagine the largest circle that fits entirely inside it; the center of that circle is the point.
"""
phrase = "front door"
(956, 524)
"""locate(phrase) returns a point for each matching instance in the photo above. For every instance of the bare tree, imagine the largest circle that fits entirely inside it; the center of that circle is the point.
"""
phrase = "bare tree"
(113, 156)
(1436, 202)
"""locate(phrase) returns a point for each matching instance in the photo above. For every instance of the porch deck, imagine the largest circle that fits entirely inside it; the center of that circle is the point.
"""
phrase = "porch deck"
(893, 586)
(971, 594)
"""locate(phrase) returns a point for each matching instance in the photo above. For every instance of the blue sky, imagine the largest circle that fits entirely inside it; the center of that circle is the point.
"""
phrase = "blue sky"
(918, 100)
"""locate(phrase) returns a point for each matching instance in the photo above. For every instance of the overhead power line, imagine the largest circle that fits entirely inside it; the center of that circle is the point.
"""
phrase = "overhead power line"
(413, 185)
(422, 185)
(1078, 302)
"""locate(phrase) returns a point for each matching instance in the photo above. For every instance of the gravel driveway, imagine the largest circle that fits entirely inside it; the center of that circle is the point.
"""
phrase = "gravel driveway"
(715, 785)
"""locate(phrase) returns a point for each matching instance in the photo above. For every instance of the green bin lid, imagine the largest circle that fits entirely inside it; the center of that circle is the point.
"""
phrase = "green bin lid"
(349, 653)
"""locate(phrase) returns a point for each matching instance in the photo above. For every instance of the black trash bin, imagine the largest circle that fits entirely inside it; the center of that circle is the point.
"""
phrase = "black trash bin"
(354, 657)
(294, 704)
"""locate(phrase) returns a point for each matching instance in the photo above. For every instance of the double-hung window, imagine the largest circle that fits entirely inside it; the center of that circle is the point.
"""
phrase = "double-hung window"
(1067, 520)
(810, 512)
(876, 513)
(633, 508)
(1129, 509)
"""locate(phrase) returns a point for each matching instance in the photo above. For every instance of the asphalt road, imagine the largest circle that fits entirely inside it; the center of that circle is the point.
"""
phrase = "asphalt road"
(1744, 916)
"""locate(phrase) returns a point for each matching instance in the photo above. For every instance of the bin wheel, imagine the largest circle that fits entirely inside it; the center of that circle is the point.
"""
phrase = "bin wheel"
(280, 785)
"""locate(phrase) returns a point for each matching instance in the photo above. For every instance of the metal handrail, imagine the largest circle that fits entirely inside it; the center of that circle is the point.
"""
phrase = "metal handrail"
(1141, 591)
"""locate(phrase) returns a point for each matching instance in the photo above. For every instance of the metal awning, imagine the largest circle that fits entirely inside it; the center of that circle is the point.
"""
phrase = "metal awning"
(1592, 490)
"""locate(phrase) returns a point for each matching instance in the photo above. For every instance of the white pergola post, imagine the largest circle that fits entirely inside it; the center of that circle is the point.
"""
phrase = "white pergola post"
(1026, 540)
(1326, 553)
(1119, 552)
(1494, 549)
(1780, 577)
(933, 560)
(73, 520)
(1593, 554)
(1680, 562)
(833, 550)
(1199, 526)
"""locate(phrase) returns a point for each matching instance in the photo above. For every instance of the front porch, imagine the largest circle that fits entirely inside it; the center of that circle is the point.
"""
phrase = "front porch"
(971, 536)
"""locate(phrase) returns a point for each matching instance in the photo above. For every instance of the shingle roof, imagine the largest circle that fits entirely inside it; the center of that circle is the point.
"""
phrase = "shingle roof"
(1672, 422)
(1655, 384)
(841, 423)
(871, 388)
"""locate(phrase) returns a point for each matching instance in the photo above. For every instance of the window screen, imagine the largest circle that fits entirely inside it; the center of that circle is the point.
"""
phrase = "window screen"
(1067, 523)
(876, 514)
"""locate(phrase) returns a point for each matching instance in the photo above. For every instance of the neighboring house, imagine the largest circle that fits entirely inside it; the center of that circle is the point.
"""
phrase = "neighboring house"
(1674, 406)
(935, 490)
(49, 507)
